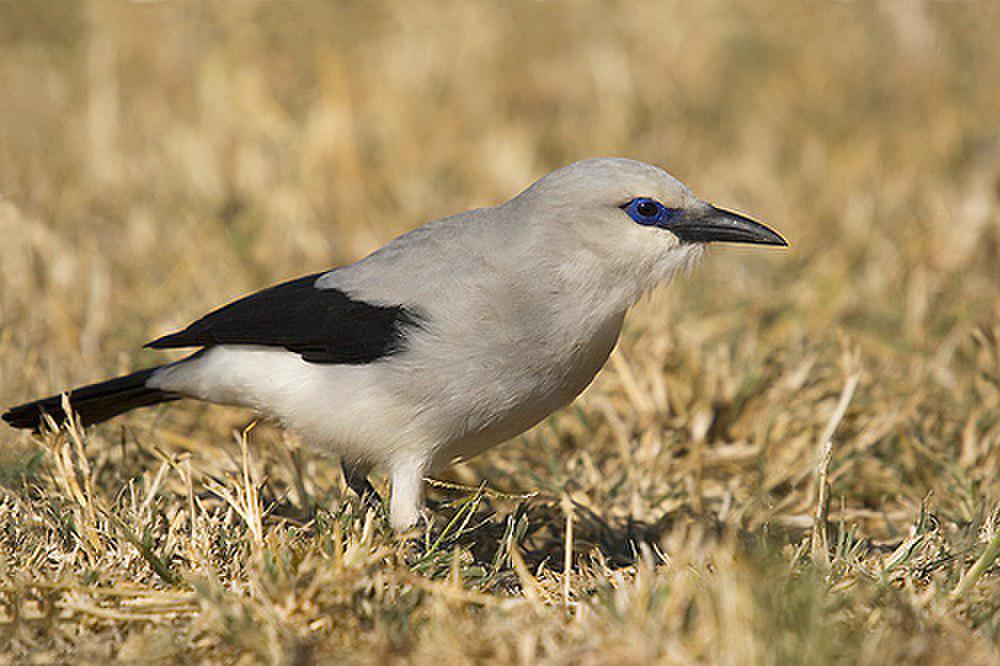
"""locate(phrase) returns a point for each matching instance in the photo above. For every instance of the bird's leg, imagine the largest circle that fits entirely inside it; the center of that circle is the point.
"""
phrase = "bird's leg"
(357, 480)
(407, 499)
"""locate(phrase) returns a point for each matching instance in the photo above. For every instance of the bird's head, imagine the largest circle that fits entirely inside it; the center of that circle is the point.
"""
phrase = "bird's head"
(629, 221)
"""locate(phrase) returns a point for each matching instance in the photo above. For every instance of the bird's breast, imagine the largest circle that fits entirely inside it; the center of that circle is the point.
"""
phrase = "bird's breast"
(482, 384)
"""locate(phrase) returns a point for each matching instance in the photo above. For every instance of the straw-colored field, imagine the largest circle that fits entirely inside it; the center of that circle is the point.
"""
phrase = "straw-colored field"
(157, 160)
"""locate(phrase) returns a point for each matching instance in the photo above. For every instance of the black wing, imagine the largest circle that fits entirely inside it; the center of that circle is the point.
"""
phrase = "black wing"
(322, 325)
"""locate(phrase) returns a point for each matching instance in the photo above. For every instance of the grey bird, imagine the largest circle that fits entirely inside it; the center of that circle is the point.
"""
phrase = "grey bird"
(447, 341)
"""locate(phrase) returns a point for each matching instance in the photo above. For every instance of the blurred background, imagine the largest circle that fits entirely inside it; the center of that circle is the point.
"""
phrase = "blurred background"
(158, 160)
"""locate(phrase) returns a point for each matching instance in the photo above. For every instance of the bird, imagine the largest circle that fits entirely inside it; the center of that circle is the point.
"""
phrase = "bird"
(447, 341)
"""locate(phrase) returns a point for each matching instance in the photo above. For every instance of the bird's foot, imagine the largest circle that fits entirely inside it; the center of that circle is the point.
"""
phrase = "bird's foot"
(358, 482)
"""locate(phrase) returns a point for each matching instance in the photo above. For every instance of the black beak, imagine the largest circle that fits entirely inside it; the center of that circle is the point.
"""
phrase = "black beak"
(711, 225)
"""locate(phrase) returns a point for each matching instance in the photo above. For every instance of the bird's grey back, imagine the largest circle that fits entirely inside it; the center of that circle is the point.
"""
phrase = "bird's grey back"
(428, 263)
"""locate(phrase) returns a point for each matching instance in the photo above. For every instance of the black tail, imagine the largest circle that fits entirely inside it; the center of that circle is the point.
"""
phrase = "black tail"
(93, 403)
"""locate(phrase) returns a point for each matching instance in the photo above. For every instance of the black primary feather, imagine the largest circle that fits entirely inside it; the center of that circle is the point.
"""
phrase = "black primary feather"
(322, 325)
(93, 403)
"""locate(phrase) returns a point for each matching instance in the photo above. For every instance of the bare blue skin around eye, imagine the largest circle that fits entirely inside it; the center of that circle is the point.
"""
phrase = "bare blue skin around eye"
(660, 218)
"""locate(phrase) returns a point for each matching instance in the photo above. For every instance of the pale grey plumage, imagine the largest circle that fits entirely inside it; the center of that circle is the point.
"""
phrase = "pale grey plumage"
(518, 307)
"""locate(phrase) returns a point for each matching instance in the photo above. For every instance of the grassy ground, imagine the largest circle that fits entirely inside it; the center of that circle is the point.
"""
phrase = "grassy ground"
(792, 456)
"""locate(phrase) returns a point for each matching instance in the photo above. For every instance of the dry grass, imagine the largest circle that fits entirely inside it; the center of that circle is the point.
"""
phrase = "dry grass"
(791, 458)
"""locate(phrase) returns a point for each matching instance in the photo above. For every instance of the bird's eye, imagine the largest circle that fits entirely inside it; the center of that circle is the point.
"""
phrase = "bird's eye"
(647, 211)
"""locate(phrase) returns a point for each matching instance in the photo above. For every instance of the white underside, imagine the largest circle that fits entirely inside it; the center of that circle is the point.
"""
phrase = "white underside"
(337, 409)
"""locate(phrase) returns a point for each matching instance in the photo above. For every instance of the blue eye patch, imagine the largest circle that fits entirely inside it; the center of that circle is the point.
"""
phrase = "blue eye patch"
(649, 212)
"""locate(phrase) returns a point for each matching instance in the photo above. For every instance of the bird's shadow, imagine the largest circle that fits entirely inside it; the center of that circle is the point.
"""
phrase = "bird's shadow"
(537, 528)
